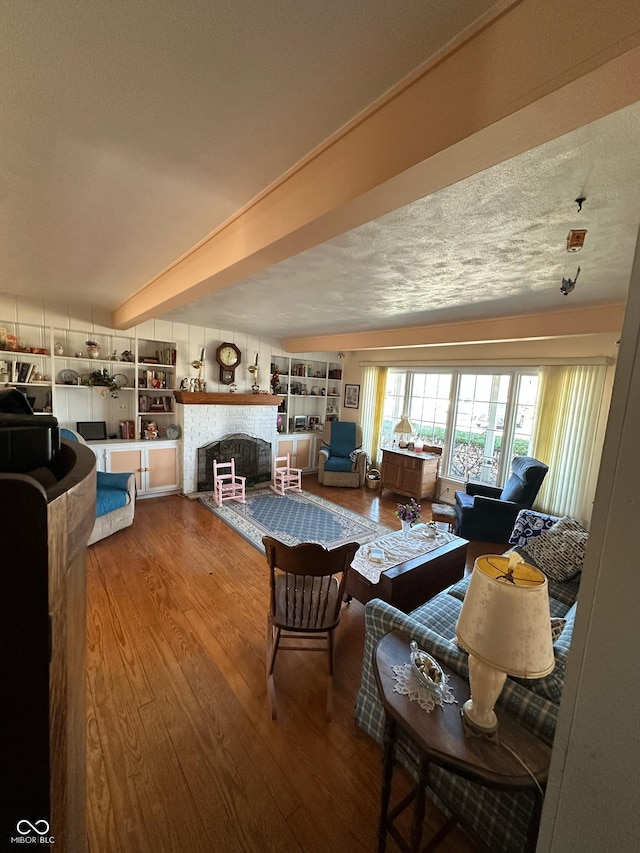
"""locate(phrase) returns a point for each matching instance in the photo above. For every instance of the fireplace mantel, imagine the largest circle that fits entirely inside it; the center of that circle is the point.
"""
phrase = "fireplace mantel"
(201, 398)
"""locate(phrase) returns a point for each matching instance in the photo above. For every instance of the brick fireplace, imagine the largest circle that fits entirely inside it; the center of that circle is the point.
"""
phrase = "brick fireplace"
(210, 418)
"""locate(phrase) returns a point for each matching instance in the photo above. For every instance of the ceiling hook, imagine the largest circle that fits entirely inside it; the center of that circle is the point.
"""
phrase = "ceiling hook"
(580, 201)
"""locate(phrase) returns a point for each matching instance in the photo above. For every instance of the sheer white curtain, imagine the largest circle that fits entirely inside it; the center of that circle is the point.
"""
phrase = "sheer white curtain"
(374, 383)
(564, 436)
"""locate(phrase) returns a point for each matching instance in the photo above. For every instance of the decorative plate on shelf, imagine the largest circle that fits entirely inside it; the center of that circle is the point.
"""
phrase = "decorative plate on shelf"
(68, 377)
(173, 431)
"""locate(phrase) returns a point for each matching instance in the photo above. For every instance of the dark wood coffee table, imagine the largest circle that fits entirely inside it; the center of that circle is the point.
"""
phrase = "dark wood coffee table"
(410, 584)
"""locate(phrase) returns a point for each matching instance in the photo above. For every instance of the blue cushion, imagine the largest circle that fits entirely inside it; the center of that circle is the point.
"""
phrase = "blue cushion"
(338, 463)
(343, 439)
(109, 499)
(113, 481)
(513, 489)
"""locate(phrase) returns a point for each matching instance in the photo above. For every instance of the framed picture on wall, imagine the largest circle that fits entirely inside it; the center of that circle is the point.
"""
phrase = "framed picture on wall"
(351, 396)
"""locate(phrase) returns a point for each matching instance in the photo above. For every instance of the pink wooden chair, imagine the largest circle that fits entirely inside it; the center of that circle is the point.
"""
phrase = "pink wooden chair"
(227, 486)
(285, 477)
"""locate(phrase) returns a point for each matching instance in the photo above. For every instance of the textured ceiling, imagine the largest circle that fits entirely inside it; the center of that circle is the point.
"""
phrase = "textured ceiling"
(493, 245)
(130, 129)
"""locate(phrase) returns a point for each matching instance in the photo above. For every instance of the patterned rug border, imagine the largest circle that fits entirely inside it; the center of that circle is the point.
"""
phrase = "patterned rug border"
(234, 514)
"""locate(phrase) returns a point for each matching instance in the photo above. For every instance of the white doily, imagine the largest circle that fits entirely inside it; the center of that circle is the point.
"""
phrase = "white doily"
(397, 549)
(408, 684)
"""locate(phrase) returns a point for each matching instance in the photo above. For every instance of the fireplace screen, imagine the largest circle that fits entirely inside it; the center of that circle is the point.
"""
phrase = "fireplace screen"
(252, 457)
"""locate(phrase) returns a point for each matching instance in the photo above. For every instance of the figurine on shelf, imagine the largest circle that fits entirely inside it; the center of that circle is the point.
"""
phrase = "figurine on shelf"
(151, 430)
(275, 379)
(126, 355)
(184, 384)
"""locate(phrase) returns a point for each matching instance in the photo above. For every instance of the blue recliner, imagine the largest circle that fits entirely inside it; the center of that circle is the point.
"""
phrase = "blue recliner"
(341, 462)
(488, 513)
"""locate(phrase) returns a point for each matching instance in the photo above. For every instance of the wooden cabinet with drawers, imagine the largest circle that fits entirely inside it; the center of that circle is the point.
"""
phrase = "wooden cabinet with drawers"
(410, 473)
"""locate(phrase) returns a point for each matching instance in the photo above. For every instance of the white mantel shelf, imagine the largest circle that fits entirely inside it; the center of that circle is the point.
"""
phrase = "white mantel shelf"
(201, 398)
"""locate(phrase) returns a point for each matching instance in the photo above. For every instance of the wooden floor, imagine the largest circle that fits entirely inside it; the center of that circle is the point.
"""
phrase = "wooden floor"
(183, 755)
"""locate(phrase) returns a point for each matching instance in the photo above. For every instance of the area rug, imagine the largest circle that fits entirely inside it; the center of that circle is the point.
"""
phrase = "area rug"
(293, 518)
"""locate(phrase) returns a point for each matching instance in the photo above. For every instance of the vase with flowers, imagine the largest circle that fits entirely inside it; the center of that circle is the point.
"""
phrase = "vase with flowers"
(408, 514)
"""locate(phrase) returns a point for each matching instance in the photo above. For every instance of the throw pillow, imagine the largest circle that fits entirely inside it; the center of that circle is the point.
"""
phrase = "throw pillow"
(529, 523)
(559, 551)
(557, 626)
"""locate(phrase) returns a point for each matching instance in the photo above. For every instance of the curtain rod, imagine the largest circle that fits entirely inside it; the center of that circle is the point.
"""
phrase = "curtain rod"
(500, 362)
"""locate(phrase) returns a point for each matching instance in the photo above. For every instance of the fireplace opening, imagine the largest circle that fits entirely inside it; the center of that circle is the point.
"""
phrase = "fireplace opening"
(252, 457)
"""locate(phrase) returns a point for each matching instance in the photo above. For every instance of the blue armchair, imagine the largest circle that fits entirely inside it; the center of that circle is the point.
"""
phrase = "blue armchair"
(488, 513)
(341, 462)
(115, 498)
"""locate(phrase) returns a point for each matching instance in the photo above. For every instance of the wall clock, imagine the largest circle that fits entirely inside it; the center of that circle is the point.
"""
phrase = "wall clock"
(228, 357)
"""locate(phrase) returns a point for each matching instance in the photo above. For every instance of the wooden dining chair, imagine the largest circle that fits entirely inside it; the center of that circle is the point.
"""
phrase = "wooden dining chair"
(307, 584)
(227, 485)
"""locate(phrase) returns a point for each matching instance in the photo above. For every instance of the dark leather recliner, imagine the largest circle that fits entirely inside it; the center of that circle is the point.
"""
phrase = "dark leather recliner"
(488, 513)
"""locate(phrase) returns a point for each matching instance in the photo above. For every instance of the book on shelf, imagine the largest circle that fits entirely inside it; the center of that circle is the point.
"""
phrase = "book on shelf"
(20, 371)
(166, 355)
(158, 379)
(127, 429)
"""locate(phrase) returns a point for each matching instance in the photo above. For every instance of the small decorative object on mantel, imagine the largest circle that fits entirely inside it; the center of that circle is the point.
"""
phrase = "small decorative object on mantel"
(408, 514)
(253, 368)
(93, 349)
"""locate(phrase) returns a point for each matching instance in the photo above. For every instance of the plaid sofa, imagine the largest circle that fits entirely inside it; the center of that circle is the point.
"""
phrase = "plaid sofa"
(499, 818)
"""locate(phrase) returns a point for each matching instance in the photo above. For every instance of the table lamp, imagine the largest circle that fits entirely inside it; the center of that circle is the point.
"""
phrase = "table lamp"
(505, 626)
(404, 428)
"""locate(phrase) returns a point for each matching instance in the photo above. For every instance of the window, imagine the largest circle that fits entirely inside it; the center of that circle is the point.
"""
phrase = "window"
(472, 416)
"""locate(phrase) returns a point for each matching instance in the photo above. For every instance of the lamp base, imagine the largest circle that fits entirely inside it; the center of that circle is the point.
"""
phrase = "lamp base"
(486, 682)
(474, 727)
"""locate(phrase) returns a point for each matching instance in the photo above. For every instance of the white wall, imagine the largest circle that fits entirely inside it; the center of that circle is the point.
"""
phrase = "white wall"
(592, 801)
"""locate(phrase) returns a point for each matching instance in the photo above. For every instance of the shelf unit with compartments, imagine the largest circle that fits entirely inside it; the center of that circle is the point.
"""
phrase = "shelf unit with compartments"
(25, 362)
(124, 381)
(312, 392)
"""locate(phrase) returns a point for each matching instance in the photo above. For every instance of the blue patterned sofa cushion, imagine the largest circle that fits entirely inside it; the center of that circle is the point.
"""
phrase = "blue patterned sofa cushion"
(528, 524)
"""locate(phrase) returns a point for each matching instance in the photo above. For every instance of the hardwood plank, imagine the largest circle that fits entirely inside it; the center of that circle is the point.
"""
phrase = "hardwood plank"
(183, 752)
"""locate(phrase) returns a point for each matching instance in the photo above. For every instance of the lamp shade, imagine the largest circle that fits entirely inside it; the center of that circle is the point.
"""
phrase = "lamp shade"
(404, 426)
(505, 619)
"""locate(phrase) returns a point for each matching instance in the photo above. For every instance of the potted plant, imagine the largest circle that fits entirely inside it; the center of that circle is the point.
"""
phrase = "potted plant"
(102, 378)
(93, 349)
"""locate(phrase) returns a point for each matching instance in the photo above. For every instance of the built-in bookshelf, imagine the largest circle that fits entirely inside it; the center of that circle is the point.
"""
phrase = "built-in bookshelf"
(312, 392)
(80, 375)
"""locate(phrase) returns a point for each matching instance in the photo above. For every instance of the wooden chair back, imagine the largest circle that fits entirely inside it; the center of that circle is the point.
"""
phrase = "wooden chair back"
(305, 594)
